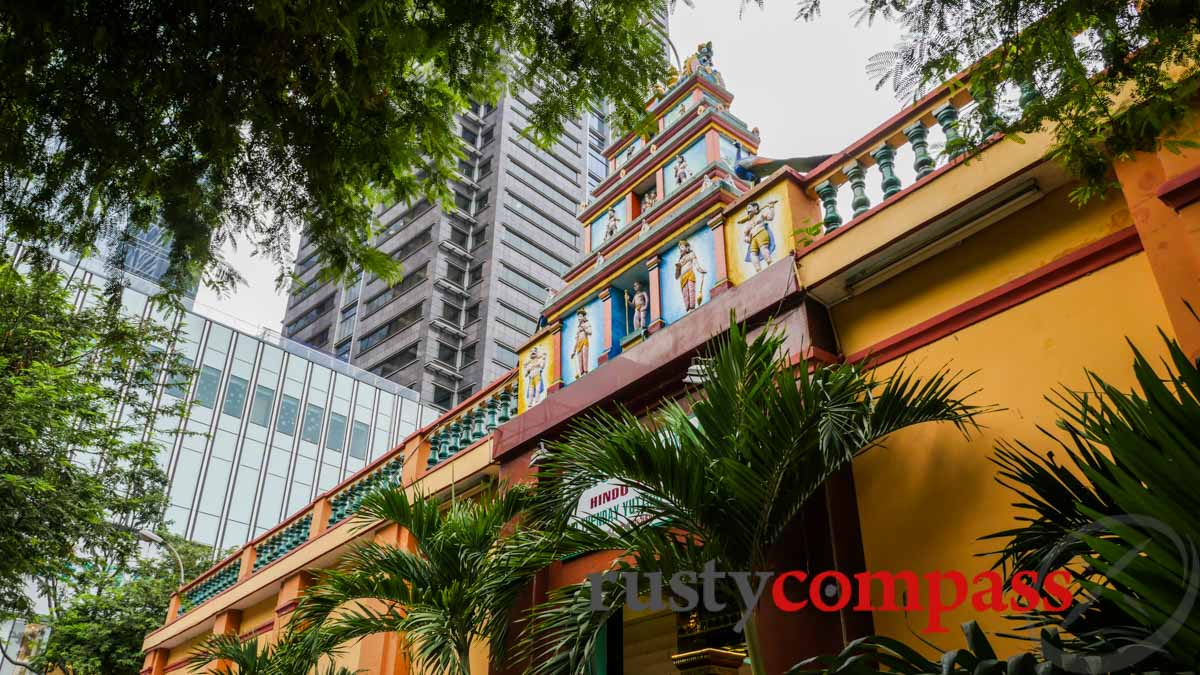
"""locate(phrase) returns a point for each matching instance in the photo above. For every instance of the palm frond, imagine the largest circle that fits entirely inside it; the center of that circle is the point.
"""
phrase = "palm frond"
(720, 478)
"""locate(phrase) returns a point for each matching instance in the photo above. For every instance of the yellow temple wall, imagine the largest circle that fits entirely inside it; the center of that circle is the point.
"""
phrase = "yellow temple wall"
(926, 498)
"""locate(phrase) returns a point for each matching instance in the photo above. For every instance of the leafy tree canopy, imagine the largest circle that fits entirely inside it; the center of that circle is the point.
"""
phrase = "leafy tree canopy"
(100, 630)
(77, 477)
(1112, 76)
(231, 120)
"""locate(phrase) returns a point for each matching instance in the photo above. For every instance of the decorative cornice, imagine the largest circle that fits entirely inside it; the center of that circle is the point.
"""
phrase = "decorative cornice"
(714, 198)
(1182, 190)
(660, 210)
(615, 185)
(657, 109)
(1078, 263)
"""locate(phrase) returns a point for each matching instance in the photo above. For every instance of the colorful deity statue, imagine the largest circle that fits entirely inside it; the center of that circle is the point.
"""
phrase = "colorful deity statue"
(583, 334)
(535, 376)
(614, 223)
(758, 235)
(702, 62)
(690, 274)
(641, 305)
(682, 171)
(649, 199)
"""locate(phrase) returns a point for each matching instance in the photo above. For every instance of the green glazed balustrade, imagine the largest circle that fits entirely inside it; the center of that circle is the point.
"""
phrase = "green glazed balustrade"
(346, 503)
(278, 545)
(472, 425)
(947, 118)
(205, 590)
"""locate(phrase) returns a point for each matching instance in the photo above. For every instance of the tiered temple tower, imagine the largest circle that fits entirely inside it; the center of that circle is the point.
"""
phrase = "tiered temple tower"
(659, 242)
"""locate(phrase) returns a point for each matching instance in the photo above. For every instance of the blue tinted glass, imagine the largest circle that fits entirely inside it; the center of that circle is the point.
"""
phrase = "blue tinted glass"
(335, 436)
(260, 411)
(235, 396)
(311, 431)
(206, 387)
(289, 410)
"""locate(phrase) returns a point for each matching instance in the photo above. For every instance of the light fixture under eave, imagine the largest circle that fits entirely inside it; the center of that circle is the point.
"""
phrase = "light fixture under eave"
(698, 372)
(943, 234)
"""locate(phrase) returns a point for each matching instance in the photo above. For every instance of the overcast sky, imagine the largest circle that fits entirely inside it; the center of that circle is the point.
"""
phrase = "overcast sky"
(802, 84)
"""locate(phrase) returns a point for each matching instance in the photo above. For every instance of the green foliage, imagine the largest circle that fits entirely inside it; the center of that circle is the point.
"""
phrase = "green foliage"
(1112, 76)
(228, 654)
(766, 436)
(229, 120)
(99, 630)
(455, 588)
(1119, 514)
(76, 478)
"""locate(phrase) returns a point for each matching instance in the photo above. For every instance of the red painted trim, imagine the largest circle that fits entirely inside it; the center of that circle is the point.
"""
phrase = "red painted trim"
(766, 184)
(175, 666)
(1182, 190)
(680, 90)
(891, 126)
(719, 195)
(1080, 262)
(604, 193)
(878, 208)
(286, 607)
(475, 398)
(257, 631)
(660, 210)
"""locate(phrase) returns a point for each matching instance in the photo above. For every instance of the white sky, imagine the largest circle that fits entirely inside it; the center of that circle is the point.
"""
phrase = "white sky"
(802, 84)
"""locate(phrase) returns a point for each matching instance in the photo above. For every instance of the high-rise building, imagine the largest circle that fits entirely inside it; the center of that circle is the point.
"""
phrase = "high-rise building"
(273, 423)
(476, 276)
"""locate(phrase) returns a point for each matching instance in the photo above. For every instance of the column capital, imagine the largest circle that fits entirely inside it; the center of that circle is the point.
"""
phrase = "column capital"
(716, 221)
(885, 149)
(653, 262)
(605, 293)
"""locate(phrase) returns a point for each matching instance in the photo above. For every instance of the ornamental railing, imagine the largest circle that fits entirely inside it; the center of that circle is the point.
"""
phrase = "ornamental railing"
(209, 586)
(944, 112)
(278, 545)
(346, 502)
(475, 420)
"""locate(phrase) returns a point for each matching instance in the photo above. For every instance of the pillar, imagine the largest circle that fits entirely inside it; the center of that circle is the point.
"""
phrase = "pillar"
(383, 653)
(947, 118)
(721, 273)
(1171, 242)
(173, 607)
(249, 553)
(228, 622)
(605, 328)
(712, 146)
(885, 157)
(290, 590)
(587, 238)
(556, 357)
(155, 662)
(656, 320)
(825, 535)
(859, 200)
(322, 509)
(917, 136)
(827, 193)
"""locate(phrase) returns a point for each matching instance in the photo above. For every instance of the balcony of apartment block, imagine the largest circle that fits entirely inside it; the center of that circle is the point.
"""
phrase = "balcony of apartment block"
(453, 453)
